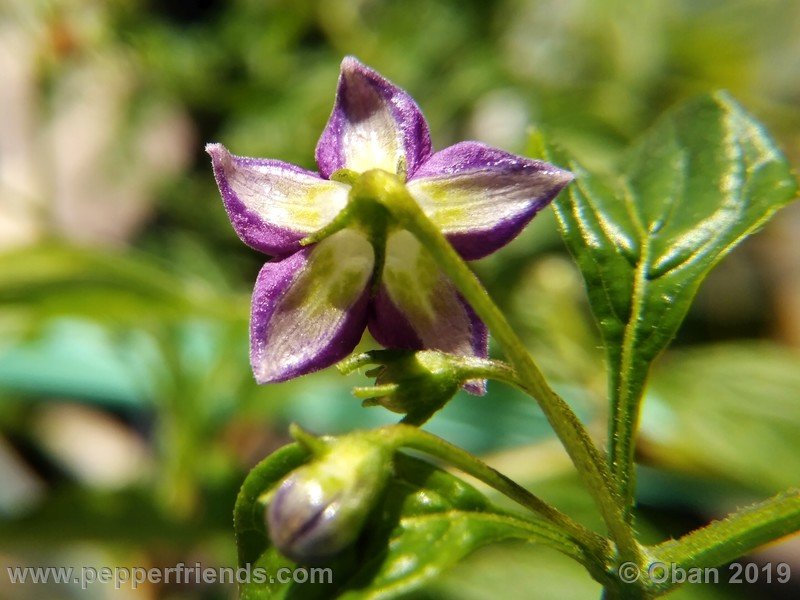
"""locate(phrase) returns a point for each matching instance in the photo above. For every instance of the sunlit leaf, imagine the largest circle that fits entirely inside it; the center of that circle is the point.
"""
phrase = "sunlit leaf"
(703, 178)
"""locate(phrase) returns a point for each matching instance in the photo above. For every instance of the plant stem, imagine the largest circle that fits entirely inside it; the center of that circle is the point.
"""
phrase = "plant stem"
(485, 368)
(735, 535)
(412, 437)
(584, 454)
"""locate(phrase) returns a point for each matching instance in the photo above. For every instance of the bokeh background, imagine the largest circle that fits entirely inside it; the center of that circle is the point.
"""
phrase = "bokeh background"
(128, 415)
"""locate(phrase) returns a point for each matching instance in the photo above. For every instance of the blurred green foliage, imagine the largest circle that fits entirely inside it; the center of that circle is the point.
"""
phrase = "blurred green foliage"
(146, 326)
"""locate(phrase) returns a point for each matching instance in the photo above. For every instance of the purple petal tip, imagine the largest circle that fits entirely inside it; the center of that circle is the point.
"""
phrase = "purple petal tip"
(351, 63)
(374, 125)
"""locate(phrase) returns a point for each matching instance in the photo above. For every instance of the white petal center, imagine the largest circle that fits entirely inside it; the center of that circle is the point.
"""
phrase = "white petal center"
(312, 311)
(425, 296)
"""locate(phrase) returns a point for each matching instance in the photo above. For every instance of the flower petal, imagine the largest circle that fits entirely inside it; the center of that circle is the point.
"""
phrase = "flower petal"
(374, 125)
(482, 197)
(418, 307)
(272, 204)
(310, 309)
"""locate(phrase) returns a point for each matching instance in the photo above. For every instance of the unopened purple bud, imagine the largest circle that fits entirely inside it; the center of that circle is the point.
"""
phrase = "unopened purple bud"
(320, 508)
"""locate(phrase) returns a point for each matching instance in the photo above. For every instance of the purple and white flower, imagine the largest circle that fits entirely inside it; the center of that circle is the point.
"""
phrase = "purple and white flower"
(312, 304)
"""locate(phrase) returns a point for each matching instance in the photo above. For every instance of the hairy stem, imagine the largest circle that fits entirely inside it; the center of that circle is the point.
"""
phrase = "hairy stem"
(735, 535)
(584, 454)
(413, 437)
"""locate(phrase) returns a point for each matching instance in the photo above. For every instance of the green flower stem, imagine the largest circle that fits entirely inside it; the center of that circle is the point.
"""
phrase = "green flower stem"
(584, 454)
(412, 437)
(471, 367)
(542, 532)
(728, 539)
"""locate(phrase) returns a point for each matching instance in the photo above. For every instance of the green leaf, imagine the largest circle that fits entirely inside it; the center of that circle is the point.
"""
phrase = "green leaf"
(428, 521)
(706, 176)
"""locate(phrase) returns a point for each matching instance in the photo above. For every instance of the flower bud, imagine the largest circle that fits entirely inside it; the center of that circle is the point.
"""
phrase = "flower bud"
(321, 507)
(413, 383)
